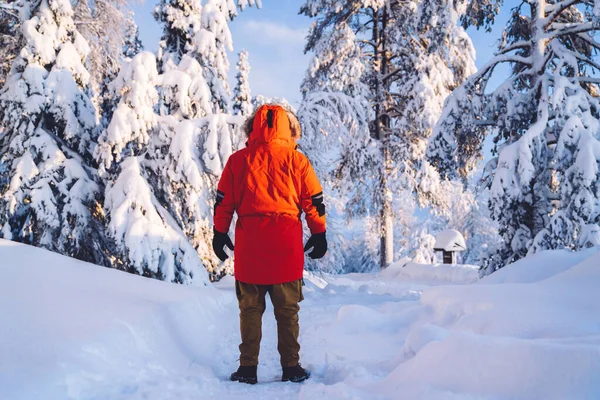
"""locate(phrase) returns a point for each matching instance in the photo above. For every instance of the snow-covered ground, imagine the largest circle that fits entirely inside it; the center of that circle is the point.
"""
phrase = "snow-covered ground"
(70, 330)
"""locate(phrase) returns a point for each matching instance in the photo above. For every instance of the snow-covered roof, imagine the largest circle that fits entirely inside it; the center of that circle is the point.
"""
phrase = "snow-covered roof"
(450, 240)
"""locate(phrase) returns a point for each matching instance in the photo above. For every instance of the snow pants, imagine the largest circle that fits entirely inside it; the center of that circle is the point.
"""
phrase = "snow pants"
(285, 298)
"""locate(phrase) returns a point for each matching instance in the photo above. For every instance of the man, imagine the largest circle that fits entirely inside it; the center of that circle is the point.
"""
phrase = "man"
(269, 184)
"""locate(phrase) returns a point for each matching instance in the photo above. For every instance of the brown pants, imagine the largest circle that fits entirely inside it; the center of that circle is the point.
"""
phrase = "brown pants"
(285, 298)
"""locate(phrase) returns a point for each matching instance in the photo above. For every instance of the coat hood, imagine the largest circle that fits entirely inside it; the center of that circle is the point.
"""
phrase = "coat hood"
(271, 125)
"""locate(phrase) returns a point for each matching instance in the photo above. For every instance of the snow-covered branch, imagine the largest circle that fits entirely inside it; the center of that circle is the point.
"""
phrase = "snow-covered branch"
(556, 9)
(583, 58)
(503, 58)
(12, 6)
(585, 36)
(515, 46)
(587, 79)
(562, 29)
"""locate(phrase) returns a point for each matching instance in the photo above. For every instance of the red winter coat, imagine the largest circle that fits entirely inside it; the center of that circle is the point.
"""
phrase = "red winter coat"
(269, 184)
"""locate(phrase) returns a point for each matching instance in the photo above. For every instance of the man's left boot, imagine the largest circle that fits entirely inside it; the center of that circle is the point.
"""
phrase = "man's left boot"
(245, 375)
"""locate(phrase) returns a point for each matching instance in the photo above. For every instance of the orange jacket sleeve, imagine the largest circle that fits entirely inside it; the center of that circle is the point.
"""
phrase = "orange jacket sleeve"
(311, 198)
(224, 205)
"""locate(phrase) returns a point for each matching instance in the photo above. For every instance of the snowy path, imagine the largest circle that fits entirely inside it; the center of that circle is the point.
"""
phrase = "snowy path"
(349, 333)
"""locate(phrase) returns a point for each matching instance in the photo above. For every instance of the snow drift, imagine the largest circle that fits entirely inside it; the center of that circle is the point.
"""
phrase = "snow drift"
(72, 330)
(535, 337)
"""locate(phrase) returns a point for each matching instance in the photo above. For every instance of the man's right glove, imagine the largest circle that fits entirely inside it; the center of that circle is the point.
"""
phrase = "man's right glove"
(220, 240)
(318, 242)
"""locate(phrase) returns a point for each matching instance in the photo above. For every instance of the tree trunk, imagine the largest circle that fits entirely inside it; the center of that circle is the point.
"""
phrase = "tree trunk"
(383, 127)
(542, 180)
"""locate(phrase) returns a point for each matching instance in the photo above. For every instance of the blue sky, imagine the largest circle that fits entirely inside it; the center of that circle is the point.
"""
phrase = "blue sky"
(274, 36)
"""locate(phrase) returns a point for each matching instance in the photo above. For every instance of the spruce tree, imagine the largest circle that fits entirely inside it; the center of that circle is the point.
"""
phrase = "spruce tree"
(11, 37)
(410, 57)
(200, 30)
(195, 134)
(146, 239)
(543, 118)
(105, 24)
(47, 180)
(132, 44)
(242, 97)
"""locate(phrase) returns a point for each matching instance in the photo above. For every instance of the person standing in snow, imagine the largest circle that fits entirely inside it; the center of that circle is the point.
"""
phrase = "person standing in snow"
(269, 183)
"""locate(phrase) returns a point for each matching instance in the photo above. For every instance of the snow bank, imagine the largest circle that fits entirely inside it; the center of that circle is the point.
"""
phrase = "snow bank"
(436, 274)
(538, 267)
(537, 340)
(72, 330)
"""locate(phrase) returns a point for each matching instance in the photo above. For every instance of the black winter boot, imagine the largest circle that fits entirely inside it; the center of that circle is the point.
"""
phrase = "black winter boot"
(295, 374)
(245, 375)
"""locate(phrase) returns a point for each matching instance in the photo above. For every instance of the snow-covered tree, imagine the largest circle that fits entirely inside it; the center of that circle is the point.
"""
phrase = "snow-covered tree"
(242, 97)
(326, 118)
(184, 91)
(134, 119)
(105, 24)
(188, 153)
(200, 30)
(196, 132)
(187, 157)
(544, 119)
(47, 185)
(338, 64)
(11, 38)
(132, 45)
(478, 228)
(403, 59)
(147, 240)
(150, 241)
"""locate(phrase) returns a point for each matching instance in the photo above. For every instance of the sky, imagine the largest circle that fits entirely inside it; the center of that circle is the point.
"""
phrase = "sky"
(275, 36)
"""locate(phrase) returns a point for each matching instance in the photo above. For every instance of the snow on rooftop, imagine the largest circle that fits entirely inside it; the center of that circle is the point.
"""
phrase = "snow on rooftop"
(450, 240)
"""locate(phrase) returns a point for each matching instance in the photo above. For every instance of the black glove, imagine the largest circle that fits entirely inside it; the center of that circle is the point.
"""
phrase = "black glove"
(220, 240)
(318, 242)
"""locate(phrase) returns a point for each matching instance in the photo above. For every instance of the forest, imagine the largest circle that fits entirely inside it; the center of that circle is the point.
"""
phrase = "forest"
(111, 154)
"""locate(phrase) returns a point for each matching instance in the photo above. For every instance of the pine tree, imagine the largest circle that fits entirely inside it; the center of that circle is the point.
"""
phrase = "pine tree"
(146, 239)
(11, 38)
(338, 64)
(543, 117)
(326, 117)
(411, 55)
(48, 189)
(133, 44)
(104, 24)
(196, 131)
(335, 117)
(200, 31)
(242, 98)
(188, 154)
(185, 159)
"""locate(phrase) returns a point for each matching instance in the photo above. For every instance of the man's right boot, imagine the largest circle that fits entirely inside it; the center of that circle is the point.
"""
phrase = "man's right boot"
(245, 375)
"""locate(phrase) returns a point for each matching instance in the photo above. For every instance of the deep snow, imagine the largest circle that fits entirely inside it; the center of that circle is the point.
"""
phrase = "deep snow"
(71, 330)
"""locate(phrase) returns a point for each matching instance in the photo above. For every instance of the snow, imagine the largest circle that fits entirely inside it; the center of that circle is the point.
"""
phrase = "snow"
(544, 192)
(515, 340)
(450, 240)
(78, 331)
(143, 230)
(426, 273)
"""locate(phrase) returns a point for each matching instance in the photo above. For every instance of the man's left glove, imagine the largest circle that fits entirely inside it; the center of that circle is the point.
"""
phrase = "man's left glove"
(318, 242)
(220, 240)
